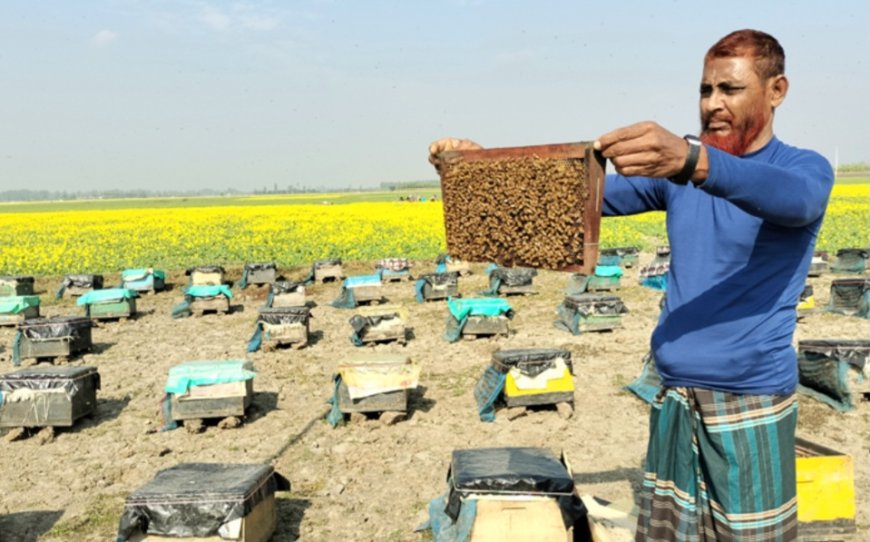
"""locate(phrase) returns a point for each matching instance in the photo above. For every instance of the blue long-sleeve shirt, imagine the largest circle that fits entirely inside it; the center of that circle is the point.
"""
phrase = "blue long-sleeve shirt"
(741, 245)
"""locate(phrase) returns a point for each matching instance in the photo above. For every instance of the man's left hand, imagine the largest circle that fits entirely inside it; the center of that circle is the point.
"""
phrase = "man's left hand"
(644, 149)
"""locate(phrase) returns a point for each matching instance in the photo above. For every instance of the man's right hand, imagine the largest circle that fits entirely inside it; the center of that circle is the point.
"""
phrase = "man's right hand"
(449, 144)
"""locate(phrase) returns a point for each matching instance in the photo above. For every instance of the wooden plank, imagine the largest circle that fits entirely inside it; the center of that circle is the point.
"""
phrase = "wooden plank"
(390, 401)
(206, 405)
(486, 325)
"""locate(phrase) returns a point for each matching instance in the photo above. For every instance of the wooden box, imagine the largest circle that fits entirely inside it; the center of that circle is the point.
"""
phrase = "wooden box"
(819, 264)
(825, 493)
(122, 308)
(150, 284)
(438, 286)
(329, 272)
(536, 206)
(392, 401)
(76, 285)
(586, 311)
(201, 305)
(261, 273)
(289, 299)
(48, 396)
(16, 285)
(284, 326)
(602, 284)
(213, 401)
(208, 276)
(519, 519)
(458, 266)
(204, 502)
(11, 304)
(73, 338)
(368, 293)
(477, 326)
(392, 329)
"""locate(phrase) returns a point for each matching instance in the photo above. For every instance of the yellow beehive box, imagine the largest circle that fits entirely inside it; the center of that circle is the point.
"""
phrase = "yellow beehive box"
(825, 491)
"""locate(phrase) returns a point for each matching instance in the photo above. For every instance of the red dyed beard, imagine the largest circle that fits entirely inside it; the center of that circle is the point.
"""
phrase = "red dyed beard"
(739, 138)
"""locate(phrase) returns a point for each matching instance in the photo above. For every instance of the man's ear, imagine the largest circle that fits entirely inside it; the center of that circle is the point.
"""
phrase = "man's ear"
(777, 89)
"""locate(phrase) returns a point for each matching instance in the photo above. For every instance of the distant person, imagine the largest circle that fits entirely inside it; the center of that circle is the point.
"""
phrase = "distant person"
(743, 213)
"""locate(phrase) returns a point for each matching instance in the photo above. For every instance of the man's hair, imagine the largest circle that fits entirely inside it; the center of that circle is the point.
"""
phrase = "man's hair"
(763, 48)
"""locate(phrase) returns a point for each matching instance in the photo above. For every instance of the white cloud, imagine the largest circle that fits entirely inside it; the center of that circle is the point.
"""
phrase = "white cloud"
(215, 18)
(257, 22)
(104, 37)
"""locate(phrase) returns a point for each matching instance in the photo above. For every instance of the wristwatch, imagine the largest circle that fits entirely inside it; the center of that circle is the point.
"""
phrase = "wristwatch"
(685, 174)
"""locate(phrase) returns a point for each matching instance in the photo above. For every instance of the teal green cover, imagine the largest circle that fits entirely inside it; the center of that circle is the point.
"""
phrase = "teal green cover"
(109, 295)
(139, 274)
(16, 304)
(208, 290)
(204, 373)
(608, 271)
(460, 308)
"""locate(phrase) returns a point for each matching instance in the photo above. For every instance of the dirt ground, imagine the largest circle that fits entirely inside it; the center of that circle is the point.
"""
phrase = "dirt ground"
(363, 480)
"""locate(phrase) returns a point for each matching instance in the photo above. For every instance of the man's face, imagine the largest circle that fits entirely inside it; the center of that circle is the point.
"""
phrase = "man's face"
(734, 105)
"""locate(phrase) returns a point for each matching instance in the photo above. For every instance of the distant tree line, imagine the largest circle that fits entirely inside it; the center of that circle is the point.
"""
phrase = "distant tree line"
(856, 167)
(412, 185)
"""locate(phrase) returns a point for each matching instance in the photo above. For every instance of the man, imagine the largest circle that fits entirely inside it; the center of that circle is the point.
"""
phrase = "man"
(743, 214)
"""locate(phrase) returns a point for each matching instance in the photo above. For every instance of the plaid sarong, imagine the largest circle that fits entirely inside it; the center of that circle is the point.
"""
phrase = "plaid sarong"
(719, 467)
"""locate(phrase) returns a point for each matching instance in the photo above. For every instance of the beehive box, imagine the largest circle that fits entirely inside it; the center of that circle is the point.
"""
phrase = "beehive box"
(76, 285)
(537, 206)
(16, 285)
(109, 304)
(16, 309)
(287, 294)
(517, 492)
(851, 260)
(394, 269)
(58, 337)
(206, 275)
(511, 281)
(328, 270)
(818, 264)
(204, 502)
(48, 396)
(148, 281)
(480, 326)
(806, 301)
(260, 273)
(539, 376)
(590, 312)
(436, 286)
(366, 288)
(284, 326)
(623, 256)
(384, 323)
(201, 305)
(220, 400)
(825, 493)
(848, 295)
(834, 371)
(388, 378)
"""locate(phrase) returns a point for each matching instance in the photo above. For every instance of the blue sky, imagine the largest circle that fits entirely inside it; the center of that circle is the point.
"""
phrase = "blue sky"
(191, 94)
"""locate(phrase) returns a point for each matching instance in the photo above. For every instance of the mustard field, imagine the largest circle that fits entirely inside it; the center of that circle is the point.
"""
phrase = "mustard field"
(91, 239)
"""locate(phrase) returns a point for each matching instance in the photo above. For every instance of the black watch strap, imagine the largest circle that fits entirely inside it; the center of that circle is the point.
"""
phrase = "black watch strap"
(688, 170)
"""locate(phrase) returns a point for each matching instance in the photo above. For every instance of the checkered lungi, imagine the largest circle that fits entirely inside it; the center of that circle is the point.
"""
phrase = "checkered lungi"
(719, 466)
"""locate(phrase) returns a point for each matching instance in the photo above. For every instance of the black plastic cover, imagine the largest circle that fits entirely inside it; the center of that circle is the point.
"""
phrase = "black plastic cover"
(16, 278)
(360, 323)
(55, 327)
(83, 281)
(587, 304)
(442, 258)
(619, 251)
(441, 279)
(514, 276)
(324, 263)
(284, 315)
(284, 287)
(260, 266)
(851, 283)
(49, 377)
(204, 269)
(530, 361)
(807, 292)
(536, 471)
(196, 499)
(853, 352)
(859, 252)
